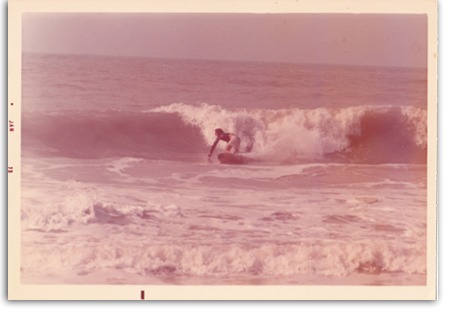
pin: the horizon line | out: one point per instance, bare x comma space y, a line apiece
224, 60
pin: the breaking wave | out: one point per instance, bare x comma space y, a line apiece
363, 134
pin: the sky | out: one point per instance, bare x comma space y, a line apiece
349, 39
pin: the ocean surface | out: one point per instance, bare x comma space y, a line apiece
117, 187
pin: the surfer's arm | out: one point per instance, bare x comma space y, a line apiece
213, 146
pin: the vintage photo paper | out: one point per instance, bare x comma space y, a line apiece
222, 150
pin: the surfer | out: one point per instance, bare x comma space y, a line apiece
232, 139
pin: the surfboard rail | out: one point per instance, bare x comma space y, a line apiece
233, 159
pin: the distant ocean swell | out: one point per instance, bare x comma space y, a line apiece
363, 134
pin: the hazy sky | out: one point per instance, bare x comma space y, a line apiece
359, 39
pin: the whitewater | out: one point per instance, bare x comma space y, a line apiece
117, 187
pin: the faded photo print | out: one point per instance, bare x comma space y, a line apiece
223, 149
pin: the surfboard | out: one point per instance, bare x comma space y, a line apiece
233, 159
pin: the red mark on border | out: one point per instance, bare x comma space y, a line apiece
142, 295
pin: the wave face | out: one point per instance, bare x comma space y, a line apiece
109, 134
365, 134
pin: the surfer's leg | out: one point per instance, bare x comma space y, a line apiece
233, 145
236, 142
228, 148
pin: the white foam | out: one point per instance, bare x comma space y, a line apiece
418, 117
117, 166
54, 212
328, 259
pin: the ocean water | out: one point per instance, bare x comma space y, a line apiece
117, 187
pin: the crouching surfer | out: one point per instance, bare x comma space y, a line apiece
233, 142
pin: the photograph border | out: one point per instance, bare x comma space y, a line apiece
18, 291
